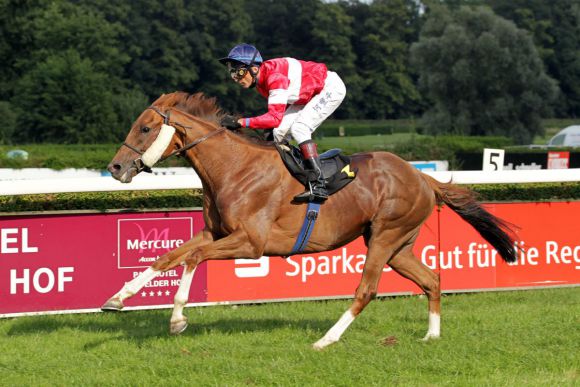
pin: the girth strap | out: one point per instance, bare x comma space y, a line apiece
307, 227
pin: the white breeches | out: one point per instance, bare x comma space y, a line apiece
300, 121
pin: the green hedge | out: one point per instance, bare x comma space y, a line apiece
409, 146
528, 192
446, 147
58, 156
176, 199
102, 201
350, 128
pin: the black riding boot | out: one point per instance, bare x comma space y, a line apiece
317, 191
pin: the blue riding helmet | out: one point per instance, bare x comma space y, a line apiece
243, 54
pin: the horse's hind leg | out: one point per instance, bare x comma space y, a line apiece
377, 256
406, 264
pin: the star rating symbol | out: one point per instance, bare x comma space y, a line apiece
159, 293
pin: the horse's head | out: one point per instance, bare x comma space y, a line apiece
155, 135
151, 137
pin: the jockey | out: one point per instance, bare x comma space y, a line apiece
301, 95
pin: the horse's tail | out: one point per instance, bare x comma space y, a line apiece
493, 229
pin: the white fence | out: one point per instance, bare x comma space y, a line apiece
192, 181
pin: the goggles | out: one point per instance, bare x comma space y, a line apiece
237, 73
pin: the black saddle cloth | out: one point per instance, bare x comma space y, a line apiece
335, 167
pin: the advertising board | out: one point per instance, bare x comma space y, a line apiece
558, 160
548, 249
65, 263
75, 262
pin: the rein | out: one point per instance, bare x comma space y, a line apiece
138, 163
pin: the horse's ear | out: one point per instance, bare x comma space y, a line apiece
159, 99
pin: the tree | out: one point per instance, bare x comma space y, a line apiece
15, 40
482, 75
66, 85
555, 26
64, 99
9, 118
216, 28
331, 43
384, 32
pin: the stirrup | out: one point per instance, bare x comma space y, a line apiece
307, 197
311, 196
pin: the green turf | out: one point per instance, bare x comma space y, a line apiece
523, 338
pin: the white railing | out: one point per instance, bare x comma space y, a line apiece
505, 177
192, 181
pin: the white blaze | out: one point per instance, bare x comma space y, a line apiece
155, 151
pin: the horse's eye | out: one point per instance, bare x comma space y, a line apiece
145, 129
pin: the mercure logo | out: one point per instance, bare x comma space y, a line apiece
154, 240
142, 241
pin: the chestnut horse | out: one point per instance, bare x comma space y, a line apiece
249, 213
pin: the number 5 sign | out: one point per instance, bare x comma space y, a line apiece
493, 159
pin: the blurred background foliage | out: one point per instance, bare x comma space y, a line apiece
80, 71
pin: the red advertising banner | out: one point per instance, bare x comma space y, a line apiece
59, 263
76, 262
547, 232
558, 160
547, 236
330, 274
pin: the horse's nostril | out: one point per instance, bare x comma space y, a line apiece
114, 168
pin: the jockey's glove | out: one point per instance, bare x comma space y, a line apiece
230, 122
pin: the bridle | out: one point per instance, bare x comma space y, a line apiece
138, 163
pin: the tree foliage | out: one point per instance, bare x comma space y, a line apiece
81, 70
482, 74
384, 32
555, 26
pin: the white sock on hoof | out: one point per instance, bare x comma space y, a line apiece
137, 283
182, 295
334, 333
434, 331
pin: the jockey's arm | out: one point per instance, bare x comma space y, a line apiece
277, 103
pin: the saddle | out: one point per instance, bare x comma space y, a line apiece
336, 167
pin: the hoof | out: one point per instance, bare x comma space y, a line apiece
177, 327
114, 304
323, 343
429, 337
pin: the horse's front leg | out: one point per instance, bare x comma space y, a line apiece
235, 245
178, 322
166, 262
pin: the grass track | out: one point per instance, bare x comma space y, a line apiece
518, 338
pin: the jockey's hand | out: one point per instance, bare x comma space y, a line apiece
230, 122
269, 134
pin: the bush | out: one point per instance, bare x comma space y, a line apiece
331, 128
528, 192
57, 156
446, 147
102, 201
182, 199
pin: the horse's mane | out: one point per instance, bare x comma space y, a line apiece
205, 108
196, 104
